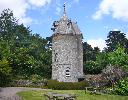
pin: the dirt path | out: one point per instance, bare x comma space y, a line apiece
9, 93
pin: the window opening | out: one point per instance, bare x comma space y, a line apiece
67, 72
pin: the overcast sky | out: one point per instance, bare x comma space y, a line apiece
95, 18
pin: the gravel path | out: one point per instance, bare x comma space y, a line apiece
9, 93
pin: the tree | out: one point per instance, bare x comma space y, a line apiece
4, 50
7, 25
26, 53
102, 60
115, 39
91, 67
5, 70
89, 58
118, 58
89, 53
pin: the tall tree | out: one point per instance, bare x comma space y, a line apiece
89, 53
89, 58
115, 39
25, 52
7, 24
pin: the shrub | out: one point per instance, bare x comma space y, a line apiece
4, 73
113, 73
52, 84
91, 67
121, 87
118, 58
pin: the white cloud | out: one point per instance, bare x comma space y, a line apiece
97, 43
116, 8
20, 8
26, 20
39, 3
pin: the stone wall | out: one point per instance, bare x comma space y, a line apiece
67, 57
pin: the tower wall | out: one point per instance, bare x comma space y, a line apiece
67, 57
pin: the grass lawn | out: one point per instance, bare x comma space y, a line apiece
38, 95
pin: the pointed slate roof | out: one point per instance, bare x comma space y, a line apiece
65, 25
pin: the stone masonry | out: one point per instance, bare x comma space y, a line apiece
67, 51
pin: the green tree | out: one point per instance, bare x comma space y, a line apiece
5, 71
42, 53
89, 53
89, 58
102, 60
7, 25
26, 53
4, 50
91, 67
114, 39
118, 58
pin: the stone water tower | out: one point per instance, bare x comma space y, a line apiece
67, 50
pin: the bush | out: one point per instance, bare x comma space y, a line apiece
121, 88
118, 58
5, 70
91, 67
5, 80
52, 84
113, 73
4, 67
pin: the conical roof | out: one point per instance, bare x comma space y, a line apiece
65, 25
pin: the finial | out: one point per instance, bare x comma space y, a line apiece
64, 8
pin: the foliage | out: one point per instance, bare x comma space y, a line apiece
95, 67
37, 81
4, 73
4, 50
115, 54
7, 25
4, 67
118, 58
102, 60
114, 39
121, 87
29, 54
26, 53
52, 84
116, 65
89, 58
91, 67
89, 53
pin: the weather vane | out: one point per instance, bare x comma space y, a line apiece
64, 8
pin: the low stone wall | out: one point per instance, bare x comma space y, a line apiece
28, 83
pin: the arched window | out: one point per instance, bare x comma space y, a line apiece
67, 72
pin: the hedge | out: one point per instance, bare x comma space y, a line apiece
53, 84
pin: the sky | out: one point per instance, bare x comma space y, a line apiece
95, 18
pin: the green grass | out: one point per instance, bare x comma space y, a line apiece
38, 95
